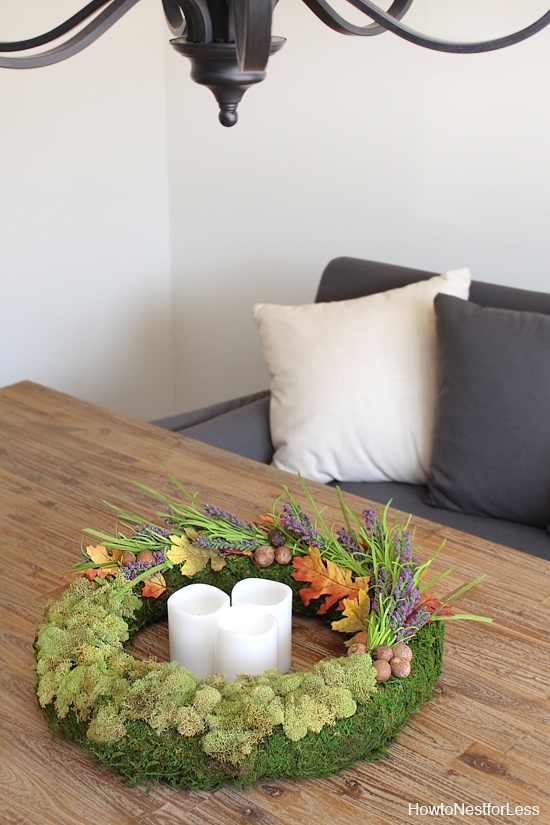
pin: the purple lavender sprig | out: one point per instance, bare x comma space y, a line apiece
230, 518
396, 612
349, 544
216, 527
296, 521
412, 625
397, 601
209, 542
150, 532
304, 531
372, 522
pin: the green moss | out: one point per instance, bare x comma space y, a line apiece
230, 746
263, 693
189, 722
206, 699
156, 697
151, 721
50, 680
355, 673
107, 725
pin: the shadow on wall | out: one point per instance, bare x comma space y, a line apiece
217, 347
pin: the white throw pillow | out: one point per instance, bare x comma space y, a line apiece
354, 383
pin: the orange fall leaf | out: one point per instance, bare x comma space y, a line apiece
154, 586
325, 578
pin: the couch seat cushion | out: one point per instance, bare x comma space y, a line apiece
409, 498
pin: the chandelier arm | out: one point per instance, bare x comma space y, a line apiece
335, 21
75, 44
199, 21
252, 20
58, 31
174, 17
190, 17
437, 44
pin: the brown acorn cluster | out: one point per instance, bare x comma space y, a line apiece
392, 661
145, 557
275, 551
388, 661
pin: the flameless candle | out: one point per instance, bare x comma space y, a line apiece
275, 598
247, 641
193, 614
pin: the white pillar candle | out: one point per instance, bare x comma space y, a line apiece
275, 598
247, 641
193, 614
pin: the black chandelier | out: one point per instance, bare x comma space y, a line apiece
229, 41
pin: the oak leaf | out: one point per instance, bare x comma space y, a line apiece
356, 612
154, 586
325, 579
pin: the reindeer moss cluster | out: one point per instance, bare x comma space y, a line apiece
151, 721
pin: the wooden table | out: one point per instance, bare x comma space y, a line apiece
484, 740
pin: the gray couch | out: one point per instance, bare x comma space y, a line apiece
242, 425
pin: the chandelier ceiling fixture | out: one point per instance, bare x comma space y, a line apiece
229, 41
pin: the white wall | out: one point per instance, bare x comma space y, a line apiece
85, 289
367, 147
370, 147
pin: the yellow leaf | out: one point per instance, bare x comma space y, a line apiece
179, 550
100, 555
193, 559
356, 612
216, 563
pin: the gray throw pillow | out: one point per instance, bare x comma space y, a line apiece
491, 451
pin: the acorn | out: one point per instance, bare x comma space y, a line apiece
403, 651
357, 647
263, 556
145, 557
400, 668
361, 637
276, 537
383, 653
127, 558
283, 555
383, 670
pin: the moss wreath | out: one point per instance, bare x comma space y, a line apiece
151, 721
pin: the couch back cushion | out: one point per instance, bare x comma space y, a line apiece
346, 278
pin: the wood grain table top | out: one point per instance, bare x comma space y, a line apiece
483, 741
